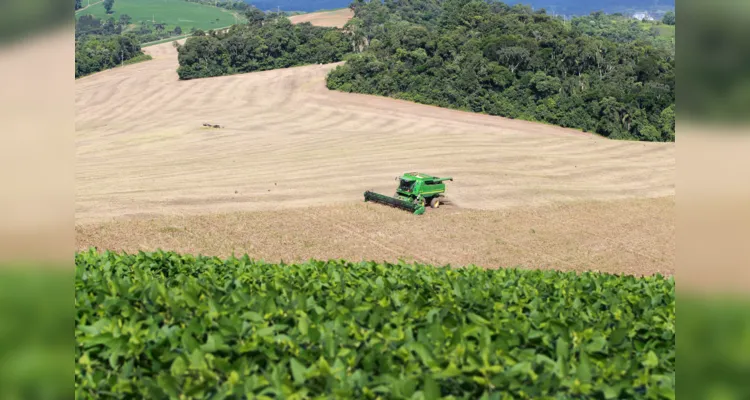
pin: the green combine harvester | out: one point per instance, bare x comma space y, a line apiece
415, 191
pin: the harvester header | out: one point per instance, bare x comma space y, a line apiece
414, 192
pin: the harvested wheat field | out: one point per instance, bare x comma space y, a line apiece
621, 236
283, 177
337, 18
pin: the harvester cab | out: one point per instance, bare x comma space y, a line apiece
414, 192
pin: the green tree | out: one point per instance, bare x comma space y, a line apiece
544, 85
255, 17
88, 25
667, 122
669, 18
358, 37
513, 57
650, 133
177, 30
125, 20
110, 28
108, 4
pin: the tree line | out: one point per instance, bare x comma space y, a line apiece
105, 43
236, 5
101, 45
600, 73
267, 41
97, 53
144, 32
511, 61
620, 28
108, 5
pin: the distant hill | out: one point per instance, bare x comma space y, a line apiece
585, 7
562, 7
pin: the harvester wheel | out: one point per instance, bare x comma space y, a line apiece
435, 202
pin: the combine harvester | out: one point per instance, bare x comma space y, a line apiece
415, 190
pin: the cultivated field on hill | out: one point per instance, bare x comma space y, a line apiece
284, 176
337, 18
172, 13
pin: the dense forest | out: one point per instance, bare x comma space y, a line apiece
489, 57
558, 7
144, 32
267, 41
620, 28
97, 53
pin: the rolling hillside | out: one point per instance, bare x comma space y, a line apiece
284, 176
172, 13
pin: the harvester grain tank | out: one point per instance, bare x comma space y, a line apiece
414, 192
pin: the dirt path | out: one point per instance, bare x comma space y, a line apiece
89, 5
289, 143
